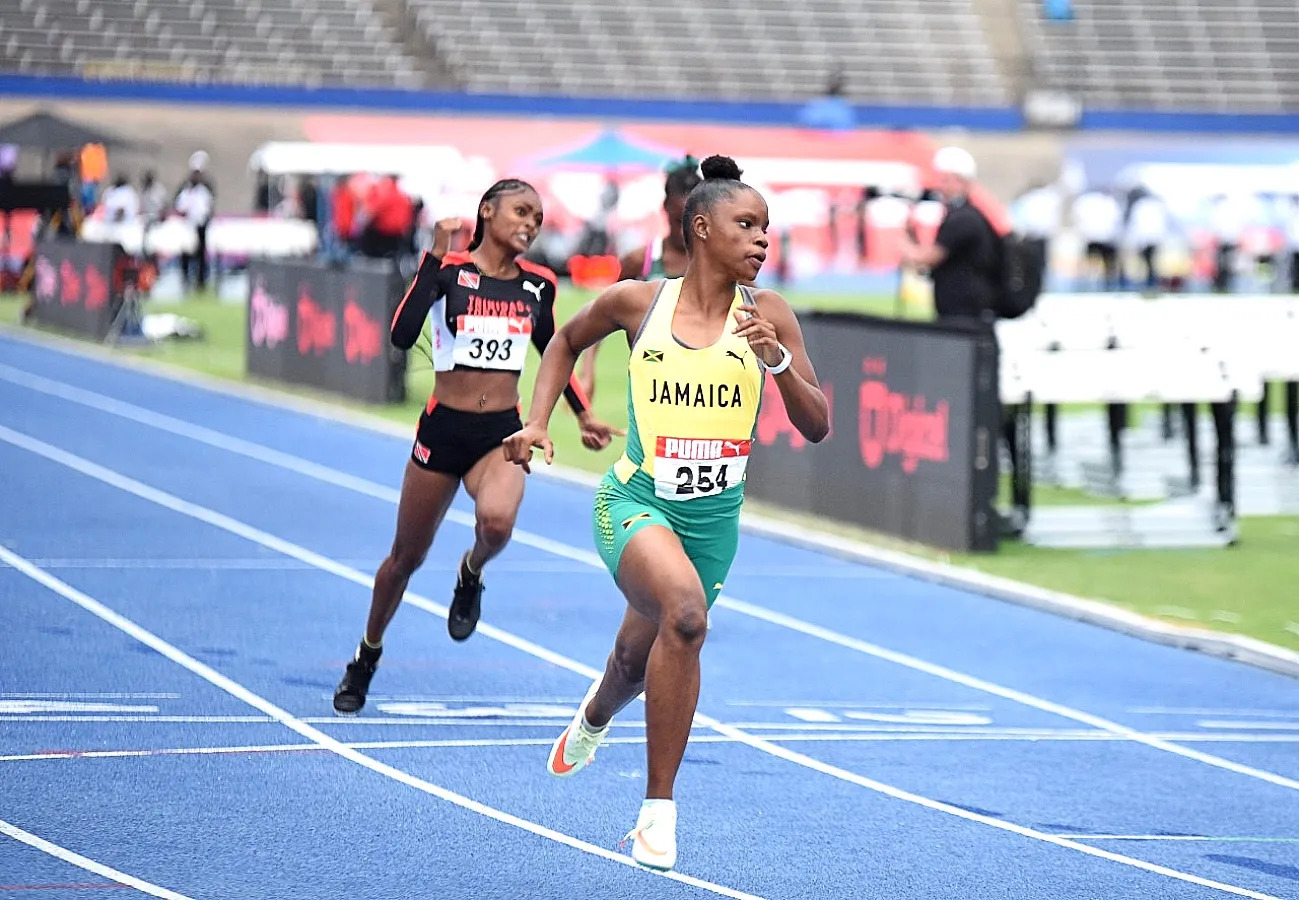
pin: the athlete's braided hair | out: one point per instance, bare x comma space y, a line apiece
504, 186
721, 181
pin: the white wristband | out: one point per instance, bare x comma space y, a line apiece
785, 359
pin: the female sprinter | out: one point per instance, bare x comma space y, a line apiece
664, 258
667, 513
486, 303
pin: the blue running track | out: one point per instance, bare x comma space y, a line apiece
184, 573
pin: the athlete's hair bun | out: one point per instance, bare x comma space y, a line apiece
722, 168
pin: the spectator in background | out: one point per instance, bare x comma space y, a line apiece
596, 239
1098, 218
964, 262
342, 202
8, 165
1228, 220
1292, 242
389, 214
1149, 227
1037, 215
861, 218
153, 200
309, 200
94, 170
963, 259
66, 222
121, 203
417, 223
262, 192
196, 202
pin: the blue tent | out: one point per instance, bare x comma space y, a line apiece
607, 150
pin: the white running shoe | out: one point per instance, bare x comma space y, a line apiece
576, 746
654, 839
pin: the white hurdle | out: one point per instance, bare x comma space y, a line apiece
1123, 348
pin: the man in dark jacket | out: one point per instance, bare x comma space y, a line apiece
962, 261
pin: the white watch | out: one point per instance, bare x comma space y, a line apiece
785, 359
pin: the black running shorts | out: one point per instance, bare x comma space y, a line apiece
452, 441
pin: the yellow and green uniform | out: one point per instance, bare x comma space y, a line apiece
691, 416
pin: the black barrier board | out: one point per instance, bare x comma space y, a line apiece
912, 450
326, 327
73, 286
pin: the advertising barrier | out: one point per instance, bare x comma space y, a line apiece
74, 286
914, 426
326, 327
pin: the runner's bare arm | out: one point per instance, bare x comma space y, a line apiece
773, 324
613, 310
632, 264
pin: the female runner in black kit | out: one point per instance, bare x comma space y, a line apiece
487, 305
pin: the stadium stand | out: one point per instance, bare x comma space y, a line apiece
729, 49
309, 42
1219, 55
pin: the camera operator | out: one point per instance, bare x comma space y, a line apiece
964, 263
963, 259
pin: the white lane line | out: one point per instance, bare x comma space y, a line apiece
848, 704
242, 529
771, 731
1202, 711
88, 695
1182, 837
85, 862
487, 743
1243, 726
359, 485
1020, 697
318, 737
288, 720
162, 720
276, 564
500, 566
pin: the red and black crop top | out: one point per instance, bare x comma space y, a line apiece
480, 322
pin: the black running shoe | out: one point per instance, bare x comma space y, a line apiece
350, 695
466, 603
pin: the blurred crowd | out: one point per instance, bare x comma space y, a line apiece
1109, 238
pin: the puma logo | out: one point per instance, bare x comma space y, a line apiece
534, 289
737, 356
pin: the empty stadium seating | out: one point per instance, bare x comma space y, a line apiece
1225, 55
929, 51
1163, 54
309, 42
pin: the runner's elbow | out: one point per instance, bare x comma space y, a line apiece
814, 424
401, 340
816, 432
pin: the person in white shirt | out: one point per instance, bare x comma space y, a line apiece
1148, 228
1231, 217
120, 202
195, 202
1098, 219
1036, 215
153, 199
